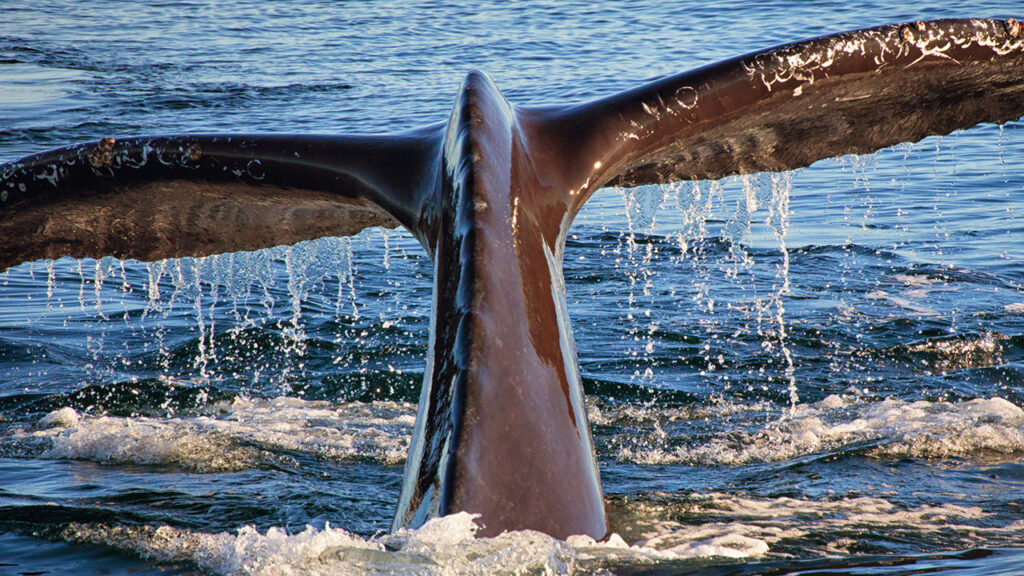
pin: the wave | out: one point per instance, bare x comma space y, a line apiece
229, 436
719, 526
790, 526
245, 432
445, 545
978, 428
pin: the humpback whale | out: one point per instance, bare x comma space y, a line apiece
490, 194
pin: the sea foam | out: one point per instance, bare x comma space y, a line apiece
445, 545
229, 436
247, 432
725, 526
981, 427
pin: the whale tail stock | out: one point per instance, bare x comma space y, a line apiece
502, 428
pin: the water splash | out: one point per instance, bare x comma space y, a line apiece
778, 219
987, 429
698, 218
236, 435
641, 209
242, 317
445, 545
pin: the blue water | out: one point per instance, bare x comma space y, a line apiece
831, 384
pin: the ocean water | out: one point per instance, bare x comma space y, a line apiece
816, 372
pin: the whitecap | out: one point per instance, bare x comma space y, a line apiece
923, 429
229, 436
447, 545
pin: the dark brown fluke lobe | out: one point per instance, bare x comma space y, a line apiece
502, 428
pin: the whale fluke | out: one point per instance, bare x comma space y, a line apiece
785, 108
502, 428
195, 195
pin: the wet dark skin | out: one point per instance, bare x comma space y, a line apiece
502, 428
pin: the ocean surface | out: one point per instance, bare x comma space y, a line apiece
816, 372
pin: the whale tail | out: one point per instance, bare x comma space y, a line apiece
491, 194
780, 109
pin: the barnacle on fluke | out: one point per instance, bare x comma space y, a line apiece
195, 152
103, 154
1013, 27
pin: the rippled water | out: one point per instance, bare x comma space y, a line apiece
814, 372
